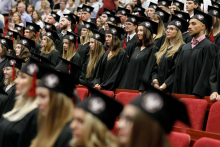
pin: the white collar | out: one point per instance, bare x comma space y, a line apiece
131, 36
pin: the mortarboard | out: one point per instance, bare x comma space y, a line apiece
74, 38
28, 43
182, 15
215, 4
20, 29
42, 59
178, 4
203, 18
11, 33
123, 11
150, 25
89, 25
8, 43
32, 27
152, 5
98, 36
133, 19
114, 30
181, 24
100, 105
79, 9
138, 9
55, 16
49, 26
197, 1
70, 18
163, 14
213, 11
165, 3
52, 35
87, 8
107, 11
114, 19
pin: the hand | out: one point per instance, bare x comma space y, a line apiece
164, 86
213, 96
156, 86
218, 98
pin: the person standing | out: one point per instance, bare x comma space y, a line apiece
24, 16
63, 9
5, 7
111, 4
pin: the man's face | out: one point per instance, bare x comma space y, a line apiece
122, 18
104, 18
85, 15
195, 27
134, 2
190, 5
51, 20
64, 23
20, 8
62, 5
129, 27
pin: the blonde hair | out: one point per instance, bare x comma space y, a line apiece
84, 40
50, 46
94, 57
96, 134
19, 15
160, 30
70, 51
216, 26
23, 105
178, 42
60, 112
7, 81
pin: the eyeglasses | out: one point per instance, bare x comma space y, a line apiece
170, 29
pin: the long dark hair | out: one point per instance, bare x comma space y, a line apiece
148, 38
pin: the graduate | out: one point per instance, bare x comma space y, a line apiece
186, 37
162, 74
160, 17
23, 48
32, 32
86, 34
54, 19
142, 60
194, 63
215, 31
148, 119
113, 63
79, 14
191, 5
5, 44
177, 5
47, 26
100, 25
48, 48
55, 110
93, 120
96, 51
19, 29
151, 9
10, 74
104, 17
20, 124
139, 11
122, 14
14, 36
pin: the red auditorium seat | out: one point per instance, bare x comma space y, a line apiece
82, 92
213, 123
196, 110
125, 97
179, 139
108, 93
207, 142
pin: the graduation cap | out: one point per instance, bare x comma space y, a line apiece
87, 8
165, 3
8, 43
161, 107
100, 105
181, 24
19, 29
35, 69
70, 18
49, 26
182, 15
74, 38
114, 30
123, 11
178, 4
12, 34
163, 14
107, 11
150, 25
2, 91
197, 1
138, 9
28, 43
98, 36
152, 5
203, 18
68, 67
42, 59
89, 25
139, 14
133, 19
14, 62
114, 19
79, 9
32, 27
52, 35
76, 18
55, 16
215, 4
213, 11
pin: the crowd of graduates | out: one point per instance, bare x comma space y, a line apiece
163, 50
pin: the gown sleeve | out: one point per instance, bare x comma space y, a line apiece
55, 57
82, 77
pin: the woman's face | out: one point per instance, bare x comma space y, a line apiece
70, 2
13, 10
35, 15
29, 9
98, 22
126, 124
108, 39
92, 44
44, 41
15, 17
83, 32
21, 83
8, 72
171, 31
155, 19
150, 12
78, 124
140, 32
43, 31
1, 49
43, 99
173, 7
27, 34
129, 8
18, 50
65, 44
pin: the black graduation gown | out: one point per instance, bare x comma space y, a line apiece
7, 101
79, 28
12, 53
108, 73
102, 30
36, 49
139, 61
77, 60
83, 51
216, 38
164, 71
19, 133
186, 37
2, 77
193, 68
64, 137
160, 41
53, 56
131, 45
